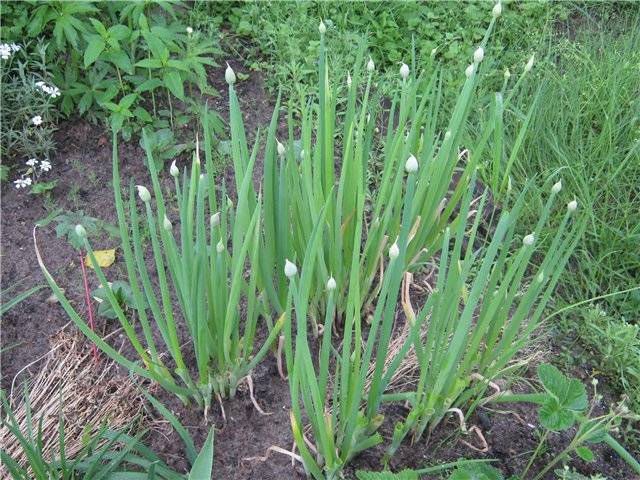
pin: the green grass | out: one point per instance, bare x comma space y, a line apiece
586, 126
283, 41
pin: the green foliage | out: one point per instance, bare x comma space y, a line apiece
111, 58
204, 267
22, 100
7, 305
104, 455
566, 397
406, 218
587, 125
464, 470
123, 294
564, 404
477, 471
286, 37
66, 227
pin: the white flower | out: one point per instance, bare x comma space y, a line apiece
411, 164
478, 55
540, 277
290, 269
404, 71
214, 221
529, 65
348, 80
143, 193
173, 170
31, 162
166, 223
433, 52
507, 74
556, 187
229, 75
45, 165
15, 47
189, 30
322, 28
497, 10
281, 148
220, 247
37, 120
528, 240
22, 182
370, 65
394, 251
469, 70
331, 283
572, 205
5, 51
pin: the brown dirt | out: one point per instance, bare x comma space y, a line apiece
82, 167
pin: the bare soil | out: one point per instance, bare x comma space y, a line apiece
82, 167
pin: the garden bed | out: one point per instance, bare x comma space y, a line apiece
83, 171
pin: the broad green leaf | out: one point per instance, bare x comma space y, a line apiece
585, 453
173, 82
554, 417
570, 393
94, 49
127, 101
149, 63
202, 467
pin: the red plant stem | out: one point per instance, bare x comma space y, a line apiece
87, 299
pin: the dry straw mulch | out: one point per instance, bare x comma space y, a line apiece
89, 393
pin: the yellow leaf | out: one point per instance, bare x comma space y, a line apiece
105, 258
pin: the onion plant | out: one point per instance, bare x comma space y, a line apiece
478, 317
330, 164
482, 310
207, 266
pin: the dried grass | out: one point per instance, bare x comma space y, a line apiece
90, 396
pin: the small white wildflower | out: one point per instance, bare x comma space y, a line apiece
45, 165
322, 28
478, 55
529, 65
556, 187
433, 52
229, 75
21, 182
331, 283
173, 170
528, 240
37, 120
377, 130
166, 223
507, 74
143, 193
214, 221
447, 135
469, 70
189, 30
281, 148
404, 71
220, 247
594, 382
370, 65
540, 277
497, 10
31, 162
80, 231
15, 47
394, 251
290, 269
5, 51
572, 205
411, 165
